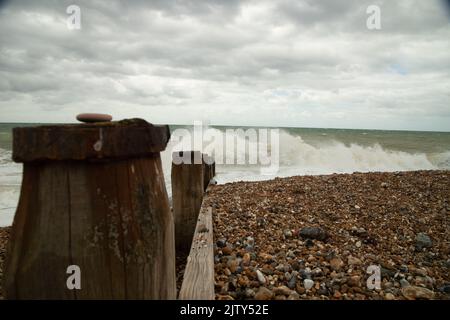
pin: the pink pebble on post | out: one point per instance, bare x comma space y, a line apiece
94, 117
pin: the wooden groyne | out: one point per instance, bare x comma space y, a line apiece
94, 221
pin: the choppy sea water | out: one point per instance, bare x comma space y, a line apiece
302, 151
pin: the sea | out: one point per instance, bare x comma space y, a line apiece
298, 151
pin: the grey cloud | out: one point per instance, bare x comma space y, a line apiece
179, 60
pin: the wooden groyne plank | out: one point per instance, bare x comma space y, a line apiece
198, 282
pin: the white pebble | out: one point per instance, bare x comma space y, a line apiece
261, 277
308, 284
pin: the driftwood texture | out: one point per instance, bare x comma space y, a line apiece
198, 281
111, 218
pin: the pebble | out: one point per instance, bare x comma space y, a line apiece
250, 241
353, 261
445, 288
423, 241
389, 296
266, 257
354, 281
294, 296
280, 267
249, 293
308, 284
305, 273
227, 251
414, 293
336, 264
288, 233
317, 272
292, 282
404, 283
404, 268
222, 242
313, 233
260, 277
249, 248
322, 290
246, 259
282, 290
94, 117
243, 281
233, 264
263, 294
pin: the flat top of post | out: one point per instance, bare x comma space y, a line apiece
103, 140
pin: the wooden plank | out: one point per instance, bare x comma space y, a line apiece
198, 281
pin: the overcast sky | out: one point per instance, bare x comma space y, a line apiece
278, 63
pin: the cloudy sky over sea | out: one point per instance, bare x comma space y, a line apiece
278, 63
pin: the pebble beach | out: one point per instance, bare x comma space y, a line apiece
313, 237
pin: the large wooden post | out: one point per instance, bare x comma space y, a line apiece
187, 195
93, 196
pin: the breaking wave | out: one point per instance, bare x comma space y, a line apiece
336, 157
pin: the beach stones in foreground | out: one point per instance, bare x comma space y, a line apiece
423, 241
413, 293
94, 117
313, 233
290, 259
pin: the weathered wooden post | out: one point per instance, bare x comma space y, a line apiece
187, 195
206, 170
93, 195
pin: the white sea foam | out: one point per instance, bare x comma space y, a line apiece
298, 157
